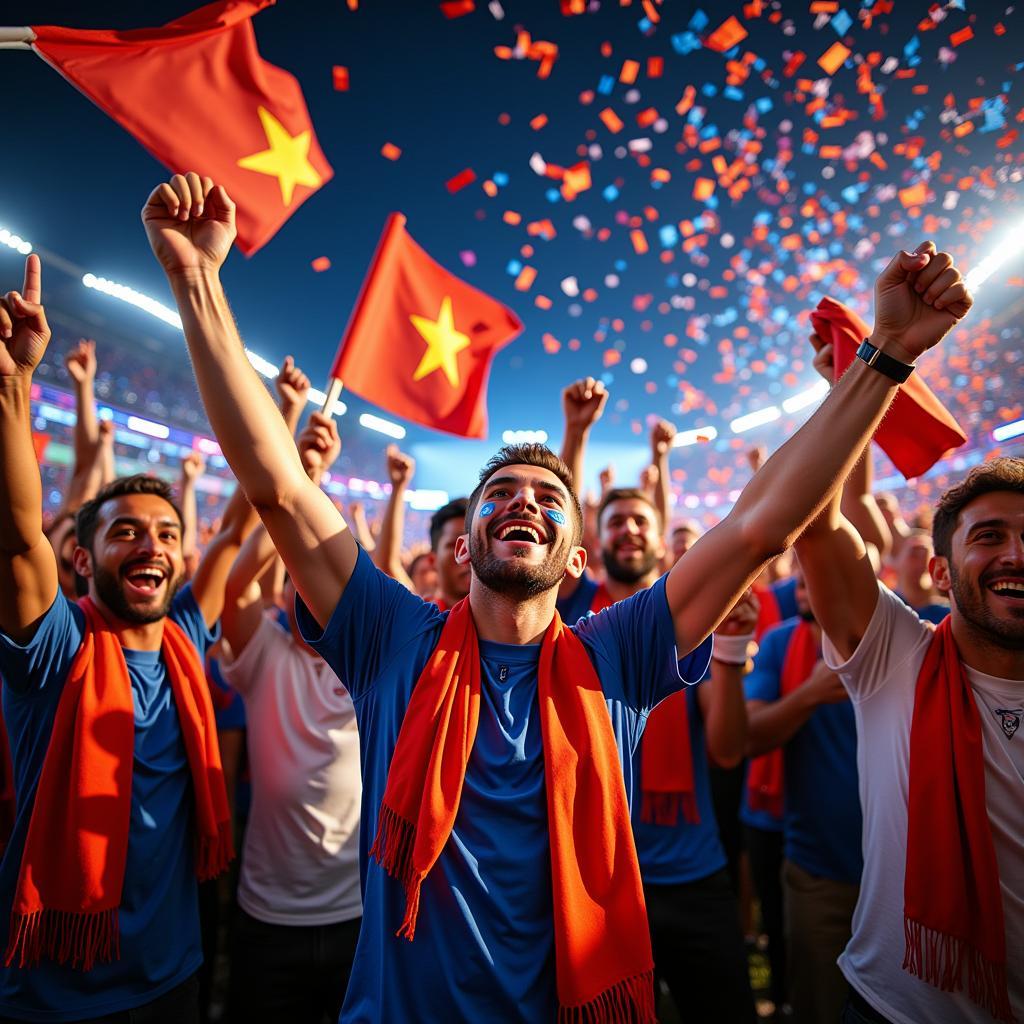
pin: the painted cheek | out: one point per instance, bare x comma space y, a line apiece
555, 516
486, 509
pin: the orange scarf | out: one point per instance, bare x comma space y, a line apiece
72, 867
603, 962
766, 777
952, 904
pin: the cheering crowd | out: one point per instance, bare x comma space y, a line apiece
508, 777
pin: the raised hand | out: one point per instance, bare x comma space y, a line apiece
190, 223
662, 435
607, 479
80, 362
918, 298
192, 467
583, 401
400, 466
24, 332
824, 357
649, 477
742, 620
319, 444
756, 456
292, 385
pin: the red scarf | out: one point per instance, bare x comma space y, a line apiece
769, 613
918, 429
603, 962
72, 867
952, 904
766, 777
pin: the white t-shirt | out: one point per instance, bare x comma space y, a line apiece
881, 678
300, 864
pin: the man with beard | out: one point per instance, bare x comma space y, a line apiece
938, 933
801, 725
494, 740
121, 801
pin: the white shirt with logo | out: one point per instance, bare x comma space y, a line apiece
881, 678
300, 863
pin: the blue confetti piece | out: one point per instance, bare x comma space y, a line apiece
763, 104
709, 89
841, 22
553, 195
732, 92
486, 509
555, 515
851, 193
500, 179
611, 193
685, 42
699, 21
668, 235
605, 86
513, 267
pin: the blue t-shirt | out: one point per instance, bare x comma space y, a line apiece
822, 823
577, 605
158, 915
763, 820
785, 596
484, 946
933, 613
672, 854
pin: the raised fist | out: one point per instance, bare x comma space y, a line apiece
583, 402
743, 617
80, 362
292, 385
192, 466
662, 435
319, 444
24, 332
400, 466
824, 357
190, 223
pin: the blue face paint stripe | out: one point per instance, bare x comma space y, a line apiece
555, 516
486, 509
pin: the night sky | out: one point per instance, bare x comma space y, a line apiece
843, 168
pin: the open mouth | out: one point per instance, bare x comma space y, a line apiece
1012, 589
519, 531
145, 580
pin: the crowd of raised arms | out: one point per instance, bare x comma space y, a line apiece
556, 761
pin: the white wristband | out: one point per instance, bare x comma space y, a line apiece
732, 649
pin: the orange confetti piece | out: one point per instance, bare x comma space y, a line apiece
525, 279
457, 8
962, 36
833, 58
320, 264
726, 36
655, 67
914, 195
610, 120
461, 180
686, 100
647, 117
703, 188
639, 240
576, 180
538, 122
340, 78
630, 69
390, 151
511, 217
542, 302
550, 342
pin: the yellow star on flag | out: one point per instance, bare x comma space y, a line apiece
287, 159
444, 343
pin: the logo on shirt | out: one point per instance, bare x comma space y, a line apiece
1009, 719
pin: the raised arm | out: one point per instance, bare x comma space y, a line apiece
662, 435
191, 225
388, 553
292, 387
192, 468
80, 363
28, 567
583, 402
918, 298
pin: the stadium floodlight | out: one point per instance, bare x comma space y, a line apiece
381, 425
805, 398
1011, 246
688, 437
425, 500
1008, 431
148, 427
754, 419
525, 436
16, 242
133, 298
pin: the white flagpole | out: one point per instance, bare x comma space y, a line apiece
16, 37
333, 394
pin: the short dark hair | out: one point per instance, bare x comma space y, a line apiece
540, 456
88, 517
628, 494
414, 564
455, 509
1000, 474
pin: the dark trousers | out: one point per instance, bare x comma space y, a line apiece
288, 973
179, 1006
859, 1011
698, 950
765, 851
726, 796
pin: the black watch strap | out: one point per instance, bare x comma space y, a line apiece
878, 360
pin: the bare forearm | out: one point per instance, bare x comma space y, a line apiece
859, 505
801, 477
21, 493
725, 721
662, 491
387, 554
253, 436
770, 726
361, 529
189, 517
574, 447
87, 428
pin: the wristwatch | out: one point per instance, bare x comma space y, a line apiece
878, 360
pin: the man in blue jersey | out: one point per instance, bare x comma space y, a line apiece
489, 907
107, 710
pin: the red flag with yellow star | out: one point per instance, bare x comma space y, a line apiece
420, 341
199, 97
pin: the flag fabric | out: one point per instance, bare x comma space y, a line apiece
918, 429
420, 341
196, 94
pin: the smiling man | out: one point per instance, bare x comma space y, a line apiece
938, 932
500, 877
121, 801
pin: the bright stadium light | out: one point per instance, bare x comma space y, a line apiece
425, 500
754, 419
1008, 430
133, 298
148, 427
525, 436
384, 426
15, 242
806, 398
1012, 245
699, 435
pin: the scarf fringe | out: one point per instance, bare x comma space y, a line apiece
392, 849
215, 853
79, 939
939, 959
761, 800
664, 808
630, 1001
